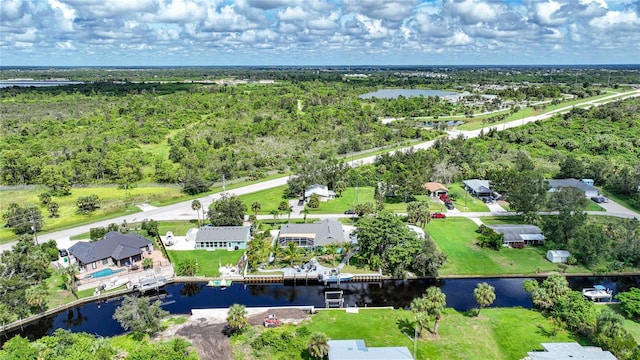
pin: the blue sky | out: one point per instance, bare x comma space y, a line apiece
318, 32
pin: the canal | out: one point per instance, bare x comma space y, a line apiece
180, 298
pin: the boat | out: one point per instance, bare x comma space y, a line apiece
334, 277
598, 293
222, 283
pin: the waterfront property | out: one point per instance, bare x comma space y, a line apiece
115, 249
520, 235
584, 185
558, 256
357, 350
328, 231
570, 350
222, 237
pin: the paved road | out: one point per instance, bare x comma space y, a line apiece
183, 211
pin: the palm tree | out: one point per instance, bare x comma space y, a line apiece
196, 205
237, 317
69, 273
292, 252
275, 213
485, 295
276, 250
36, 295
339, 187
331, 249
419, 309
436, 300
289, 210
305, 212
318, 345
255, 207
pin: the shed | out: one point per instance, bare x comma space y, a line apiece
558, 256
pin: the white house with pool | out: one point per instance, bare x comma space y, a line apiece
116, 249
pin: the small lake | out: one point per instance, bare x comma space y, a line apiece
395, 93
180, 298
35, 83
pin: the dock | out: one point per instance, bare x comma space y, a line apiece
598, 293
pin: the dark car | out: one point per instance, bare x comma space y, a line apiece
350, 212
438, 215
449, 206
63, 252
599, 199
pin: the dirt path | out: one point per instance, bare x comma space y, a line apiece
207, 332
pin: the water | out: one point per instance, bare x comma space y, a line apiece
180, 298
36, 83
103, 273
394, 93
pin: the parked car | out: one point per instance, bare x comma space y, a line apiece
599, 199
438, 215
350, 212
63, 252
449, 205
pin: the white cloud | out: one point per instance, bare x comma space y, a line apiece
546, 13
65, 14
622, 20
459, 38
65, 45
373, 27
227, 20
293, 14
474, 11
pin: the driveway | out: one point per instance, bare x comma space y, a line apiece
615, 209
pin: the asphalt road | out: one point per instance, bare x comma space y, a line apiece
183, 211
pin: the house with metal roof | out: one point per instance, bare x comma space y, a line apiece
357, 350
477, 187
519, 235
323, 192
327, 231
584, 185
223, 237
569, 351
115, 249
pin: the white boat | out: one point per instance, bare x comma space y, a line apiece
335, 277
598, 293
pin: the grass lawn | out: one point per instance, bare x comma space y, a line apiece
502, 220
268, 199
496, 334
457, 236
178, 228
465, 202
632, 326
58, 294
208, 261
347, 201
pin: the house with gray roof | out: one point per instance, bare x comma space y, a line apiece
327, 231
584, 185
477, 187
223, 237
569, 351
115, 249
357, 350
519, 235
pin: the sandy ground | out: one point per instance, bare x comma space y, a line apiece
206, 329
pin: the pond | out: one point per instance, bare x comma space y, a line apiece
395, 93
180, 298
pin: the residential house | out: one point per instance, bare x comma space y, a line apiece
323, 192
223, 237
321, 233
520, 235
478, 188
584, 185
569, 351
357, 350
436, 189
115, 249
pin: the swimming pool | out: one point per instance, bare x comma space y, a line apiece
103, 273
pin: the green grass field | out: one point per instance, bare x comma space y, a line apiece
465, 202
457, 236
268, 199
348, 200
208, 261
495, 334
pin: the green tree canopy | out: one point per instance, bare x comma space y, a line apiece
227, 211
140, 315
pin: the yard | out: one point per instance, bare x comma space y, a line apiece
457, 236
501, 333
208, 261
464, 201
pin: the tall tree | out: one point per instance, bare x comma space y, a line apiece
255, 207
485, 295
436, 301
140, 315
419, 308
196, 206
228, 211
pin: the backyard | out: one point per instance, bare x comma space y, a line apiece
208, 262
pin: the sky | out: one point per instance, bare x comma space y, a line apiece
318, 32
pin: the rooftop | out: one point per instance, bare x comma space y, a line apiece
570, 351
357, 350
